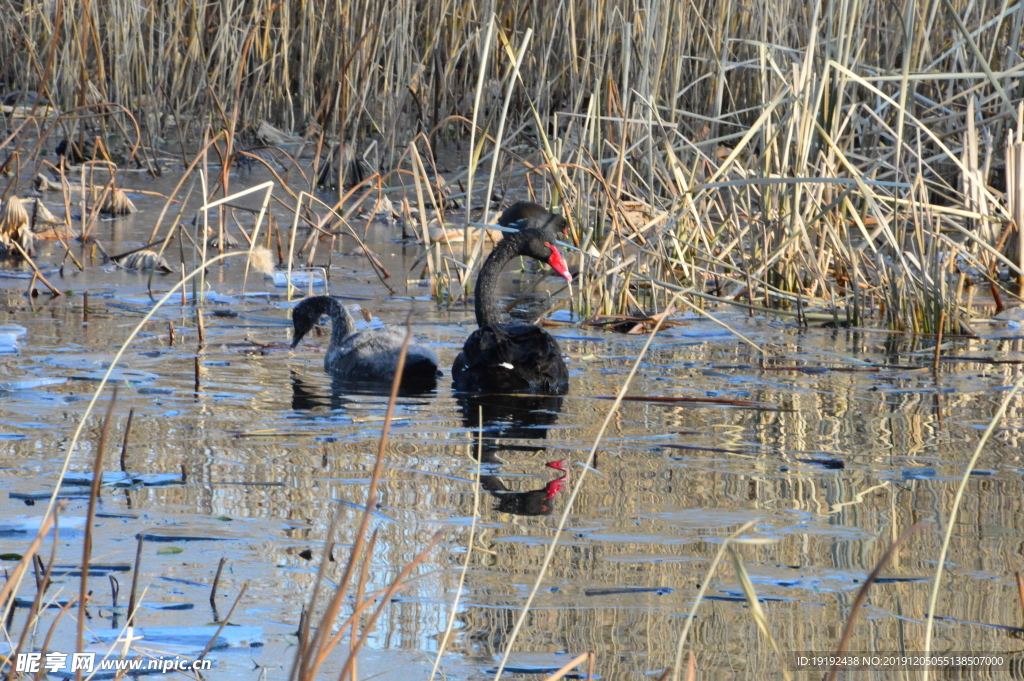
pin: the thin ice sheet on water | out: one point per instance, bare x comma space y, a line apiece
77, 361
537, 663
190, 638
95, 569
299, 278
43, 494
122, 479
7, 273
172, 535
175, 640
116, 376
9, 335
167, 606
147, 301
29, 525
12, 385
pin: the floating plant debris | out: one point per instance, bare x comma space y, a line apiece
169, 550
170, 536
830, 464
116, 202
95, 569
658, 590
15, 233
144, 261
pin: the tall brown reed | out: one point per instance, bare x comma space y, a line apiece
832, 159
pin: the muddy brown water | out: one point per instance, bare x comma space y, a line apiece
860, 441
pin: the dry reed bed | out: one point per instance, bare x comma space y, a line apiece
738, 151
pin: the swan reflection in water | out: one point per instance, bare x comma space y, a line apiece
512, 423
534, 502
312, 396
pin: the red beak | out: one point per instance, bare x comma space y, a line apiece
557, 262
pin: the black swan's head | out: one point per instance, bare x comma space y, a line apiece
526, 215
307, 314
540, 245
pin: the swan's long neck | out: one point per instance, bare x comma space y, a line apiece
488, 311
342, 324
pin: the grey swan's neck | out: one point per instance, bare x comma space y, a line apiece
488, 310
342, 324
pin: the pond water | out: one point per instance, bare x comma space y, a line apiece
856, 439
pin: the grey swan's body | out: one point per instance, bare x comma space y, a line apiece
511, 357
369, 356
527, 215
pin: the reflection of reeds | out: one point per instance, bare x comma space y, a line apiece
316, 642
577, 485
955, 509
12, 585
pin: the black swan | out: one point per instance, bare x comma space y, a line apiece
526, 215
368, 356
514, 357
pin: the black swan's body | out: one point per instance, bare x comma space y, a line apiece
367, 356
526, 215
515, 357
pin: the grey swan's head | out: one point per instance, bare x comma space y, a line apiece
307, 314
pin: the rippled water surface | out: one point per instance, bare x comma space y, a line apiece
853, 439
